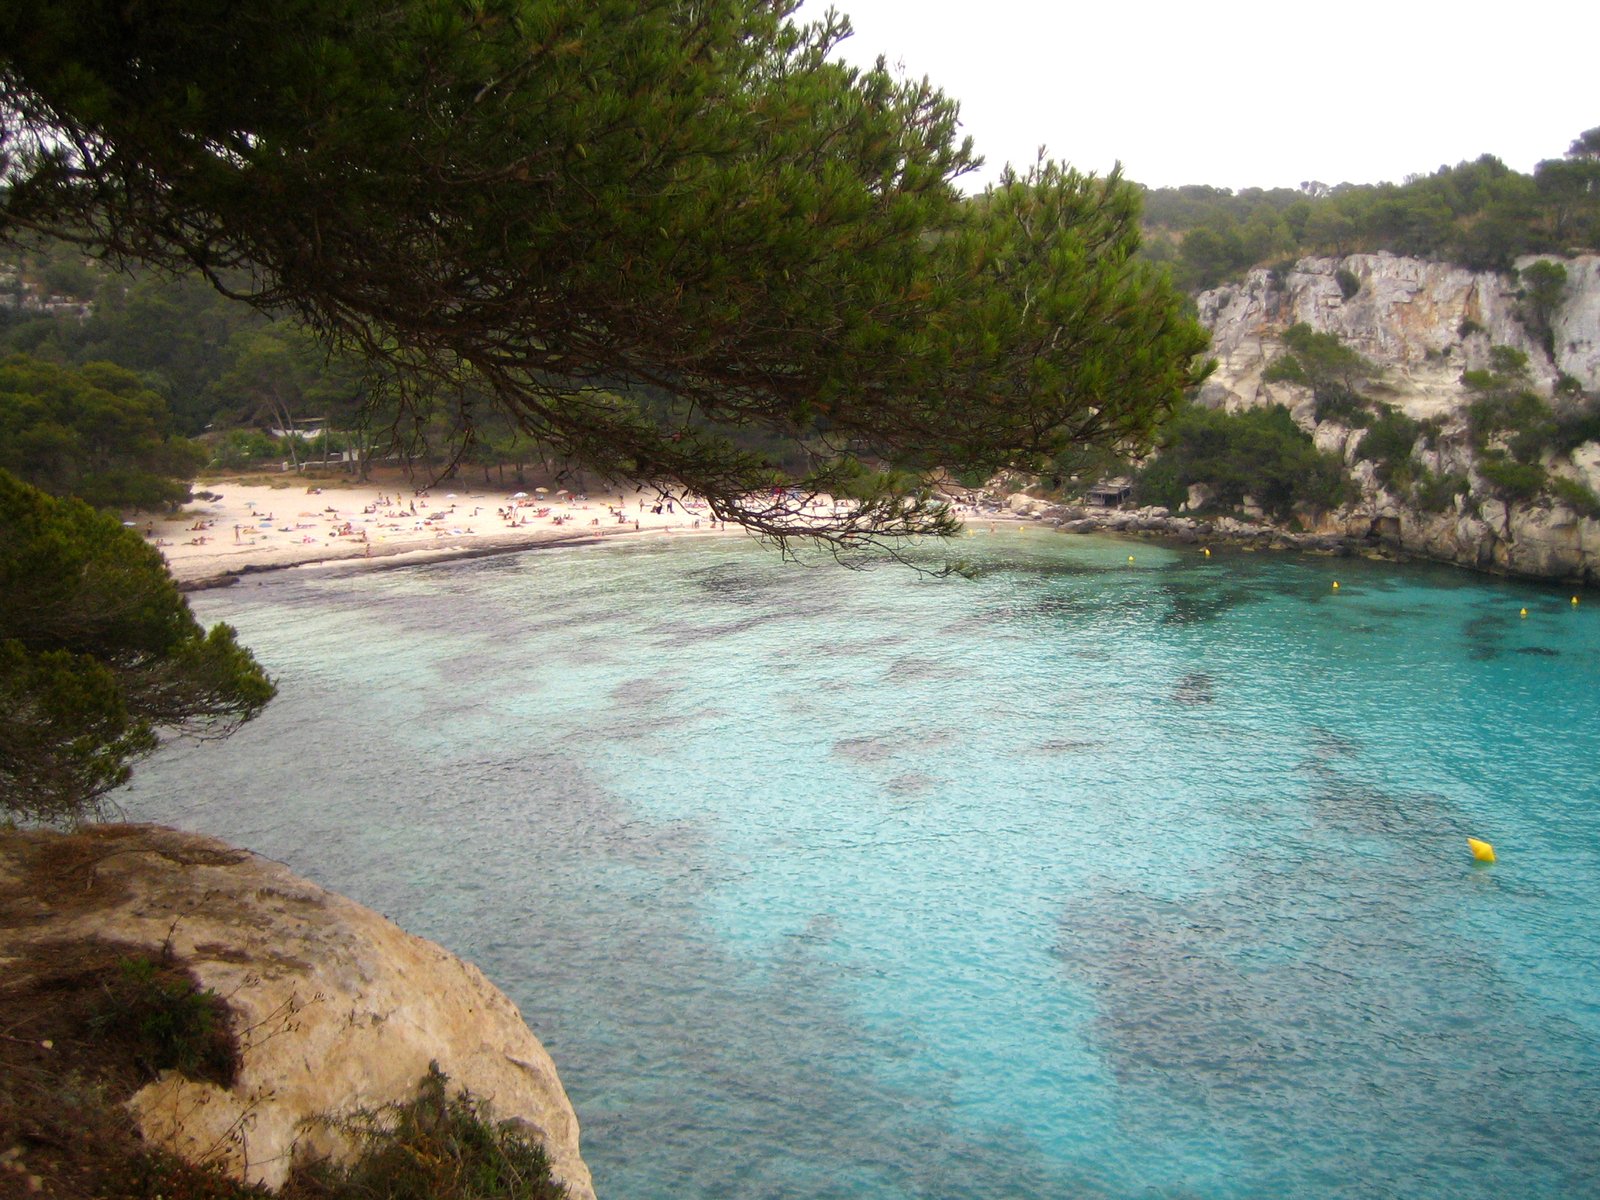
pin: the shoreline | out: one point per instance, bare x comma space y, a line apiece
1360, 535
235, 528
399, 557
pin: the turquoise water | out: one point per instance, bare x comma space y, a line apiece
1084, 878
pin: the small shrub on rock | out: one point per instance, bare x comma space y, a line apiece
435, 1147
171, 1023
1576, 496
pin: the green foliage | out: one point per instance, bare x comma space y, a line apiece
1480, 214
1286, 368
1349, 285
1544, 285
565, 205
98, 650
435, 1147
95, 432
1576, 425
172, 1024
1388, 444
1467, 328
1260, 452
1346, 408
1437, 493
1334, 372
1508, 361
1510, 479
1504, 403
246, 448
1575, 496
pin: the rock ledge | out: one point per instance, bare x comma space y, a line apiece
336, 1008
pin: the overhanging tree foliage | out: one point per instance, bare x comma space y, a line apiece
570, 203
98, 651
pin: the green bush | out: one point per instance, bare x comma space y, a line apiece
1544, 285
171, 1022
1285, 368
239, 448
1327, 364
435, 1147
1575, 427
1512, 480
1349, 285
1436, 493
1576, 496
1388, 444
1467, 328
1260, 452
1345, 407
1504, 406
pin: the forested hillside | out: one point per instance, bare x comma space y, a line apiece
222, 372
1481, 215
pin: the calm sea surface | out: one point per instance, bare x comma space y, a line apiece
1087, 878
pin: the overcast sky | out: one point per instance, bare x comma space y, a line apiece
1242, 93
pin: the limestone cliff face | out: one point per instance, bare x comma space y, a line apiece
336, 1007
1424, 324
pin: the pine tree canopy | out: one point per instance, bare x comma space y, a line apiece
98, 652
643, 227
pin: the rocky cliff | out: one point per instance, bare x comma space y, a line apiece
335, 1008
1425, 324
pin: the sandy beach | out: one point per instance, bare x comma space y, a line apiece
234, 527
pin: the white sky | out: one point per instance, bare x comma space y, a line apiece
1248, 93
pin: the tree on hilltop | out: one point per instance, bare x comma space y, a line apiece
98, 651
571, 204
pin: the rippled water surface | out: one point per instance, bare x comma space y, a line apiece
1087, 878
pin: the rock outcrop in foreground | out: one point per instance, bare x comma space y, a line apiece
336, 1008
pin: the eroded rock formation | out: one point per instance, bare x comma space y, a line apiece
1424, 324
336, 1008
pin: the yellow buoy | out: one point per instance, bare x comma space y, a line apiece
1524, 612
1574, 599
1130, 558
1481, 851
1208, 555
1336, 585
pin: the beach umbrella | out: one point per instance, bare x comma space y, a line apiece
519, 495
541, 491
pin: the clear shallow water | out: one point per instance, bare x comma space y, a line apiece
1088, 878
